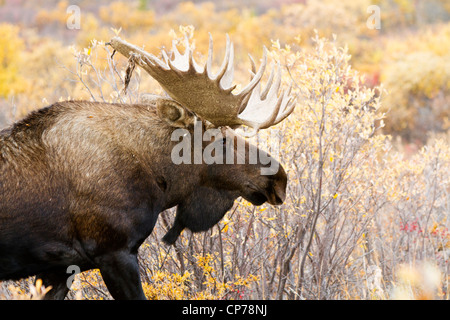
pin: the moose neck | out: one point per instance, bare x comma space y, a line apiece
148, 138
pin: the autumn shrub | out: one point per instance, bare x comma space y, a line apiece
331, 151
418, 96
416, 72
328, 240
127, 16
361, 220
26, 290
11, 47
414, 225
58, 15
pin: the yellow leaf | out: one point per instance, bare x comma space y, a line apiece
38, 284
335, 196
225, 228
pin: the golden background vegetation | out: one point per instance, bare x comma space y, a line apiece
367, 149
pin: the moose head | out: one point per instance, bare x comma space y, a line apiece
196, 95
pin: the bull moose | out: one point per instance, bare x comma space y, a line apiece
82, 183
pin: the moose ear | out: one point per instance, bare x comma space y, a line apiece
200, 211
170, 111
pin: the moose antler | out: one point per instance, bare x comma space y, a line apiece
210, 95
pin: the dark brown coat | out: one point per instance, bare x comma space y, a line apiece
82, 183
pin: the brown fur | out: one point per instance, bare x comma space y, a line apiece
82, 183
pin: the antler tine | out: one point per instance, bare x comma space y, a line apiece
288, 109
165, 56
272, 88
175, 50
257, 78
253, 65
227, 78
208, 64
269, 83
288, 106
194, 67
226, 61
180, 62
259, 102
189, 55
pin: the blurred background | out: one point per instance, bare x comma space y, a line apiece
367, 150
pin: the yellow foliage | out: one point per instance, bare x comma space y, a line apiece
372, 198
127, 16
421, 282
92, 29
11, 46
165, 286
58, 14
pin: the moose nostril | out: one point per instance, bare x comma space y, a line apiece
280, 194
278, 199
277, 195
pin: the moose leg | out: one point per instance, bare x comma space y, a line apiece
58, 281
120, 271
